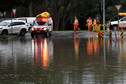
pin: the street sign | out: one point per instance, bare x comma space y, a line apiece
118, 7
14, 11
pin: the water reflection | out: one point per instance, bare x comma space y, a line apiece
76, 44
71, 60
11, 50
93, 46
14, 57
42, 49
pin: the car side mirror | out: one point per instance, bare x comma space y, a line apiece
49, 25
8, 25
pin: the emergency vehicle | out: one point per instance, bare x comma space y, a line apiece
114, 24
43, 25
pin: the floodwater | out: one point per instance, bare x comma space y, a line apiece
63, 60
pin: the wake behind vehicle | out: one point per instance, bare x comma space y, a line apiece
13, 27
43, 25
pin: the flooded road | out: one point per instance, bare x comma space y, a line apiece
71, 58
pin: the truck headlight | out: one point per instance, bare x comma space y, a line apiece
32, 29
45, 29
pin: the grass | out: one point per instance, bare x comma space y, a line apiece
73, 31
6, 36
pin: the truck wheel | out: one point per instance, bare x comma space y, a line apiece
46, 34
115, 27
4, 32
50, 34
32, 35
22, 33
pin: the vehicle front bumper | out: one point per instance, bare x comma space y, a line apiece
38, 32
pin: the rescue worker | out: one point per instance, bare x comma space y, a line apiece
94, 22
76, 24
94, 25
89, 23
97, 20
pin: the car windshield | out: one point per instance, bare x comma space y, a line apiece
4, 23
124, 19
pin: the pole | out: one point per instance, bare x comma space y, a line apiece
103, 14
118, 21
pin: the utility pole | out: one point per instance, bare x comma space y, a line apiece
103, 14
104, 34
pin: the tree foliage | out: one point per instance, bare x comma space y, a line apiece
64, 11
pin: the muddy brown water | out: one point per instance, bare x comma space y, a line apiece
63, 60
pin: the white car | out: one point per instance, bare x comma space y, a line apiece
28, 20
13, 27
122, 23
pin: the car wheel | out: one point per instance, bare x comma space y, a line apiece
22, 33
4, 32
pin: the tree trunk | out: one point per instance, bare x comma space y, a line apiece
57, 7
63, 22
64, 18
30, 10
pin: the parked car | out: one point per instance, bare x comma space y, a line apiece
1, 19
122, 24
13, 27
28, 20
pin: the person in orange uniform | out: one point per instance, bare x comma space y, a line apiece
94, 22
89, 23
76, 24
95, 25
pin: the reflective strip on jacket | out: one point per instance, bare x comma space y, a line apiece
76, 22
89, 21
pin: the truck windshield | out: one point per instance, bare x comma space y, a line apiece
4, 23
39, 23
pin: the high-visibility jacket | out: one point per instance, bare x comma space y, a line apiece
94, 21
89, 21
76, 22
